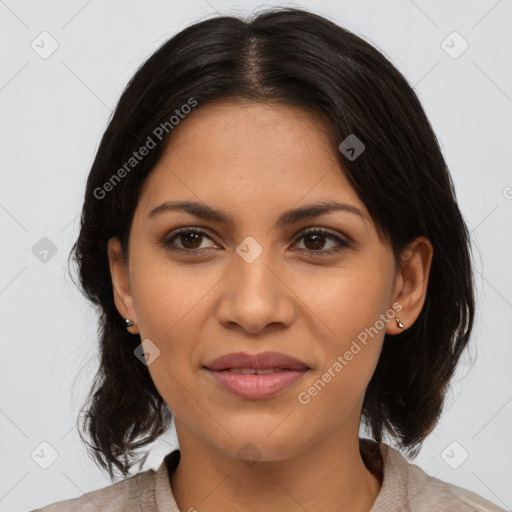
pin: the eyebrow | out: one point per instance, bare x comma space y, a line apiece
285, 219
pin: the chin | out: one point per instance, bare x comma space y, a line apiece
253, 445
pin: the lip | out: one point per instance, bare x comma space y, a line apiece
256, 387
260, 361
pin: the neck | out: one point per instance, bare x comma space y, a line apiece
329, 475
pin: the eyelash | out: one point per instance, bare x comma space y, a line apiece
167, 241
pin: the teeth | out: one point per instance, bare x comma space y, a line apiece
253, 371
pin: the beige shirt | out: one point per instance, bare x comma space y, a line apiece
405, 488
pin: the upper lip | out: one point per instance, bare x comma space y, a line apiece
260, 361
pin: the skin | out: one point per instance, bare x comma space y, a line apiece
256, 161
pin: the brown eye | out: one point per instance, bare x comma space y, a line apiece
189, 238
315, 240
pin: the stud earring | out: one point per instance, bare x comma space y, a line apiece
398, 323
129, 323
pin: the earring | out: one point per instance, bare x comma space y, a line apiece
398, 323
129, 324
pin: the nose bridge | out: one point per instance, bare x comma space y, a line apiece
254, 296
251, 270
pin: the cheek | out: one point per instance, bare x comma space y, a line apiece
350, 331
345, 305
168, 297
170, 302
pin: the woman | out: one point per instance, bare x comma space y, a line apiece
271, 235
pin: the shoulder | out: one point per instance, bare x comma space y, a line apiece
128, 494
415, 490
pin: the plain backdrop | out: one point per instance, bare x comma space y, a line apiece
54, 110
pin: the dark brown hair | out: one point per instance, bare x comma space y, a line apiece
295, 58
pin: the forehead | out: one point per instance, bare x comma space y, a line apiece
249, 156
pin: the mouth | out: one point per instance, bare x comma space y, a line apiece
254, 371
260, 361
256, 377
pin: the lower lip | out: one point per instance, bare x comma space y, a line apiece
256, 387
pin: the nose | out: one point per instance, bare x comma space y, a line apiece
255, 296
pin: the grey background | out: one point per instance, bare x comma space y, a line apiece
53, 112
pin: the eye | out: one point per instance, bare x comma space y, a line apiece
190, 239
316, 240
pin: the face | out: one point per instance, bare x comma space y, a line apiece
255, 284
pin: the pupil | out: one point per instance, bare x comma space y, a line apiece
317, 243
189, 236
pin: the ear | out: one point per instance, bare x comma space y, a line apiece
121, 283
411, 283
